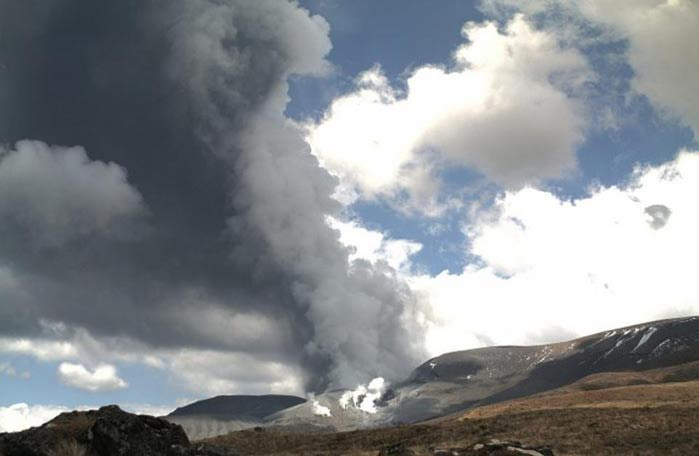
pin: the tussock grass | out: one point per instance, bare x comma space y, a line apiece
68, 447
73, 425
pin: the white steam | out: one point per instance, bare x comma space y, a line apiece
320, 409
363, 397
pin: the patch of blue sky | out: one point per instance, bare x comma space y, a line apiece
396, 34
625, 130
609, 157
147, 385
441, 238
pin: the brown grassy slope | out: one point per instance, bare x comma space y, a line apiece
73, 425
621, 390
681, 373
604, 414
577, 431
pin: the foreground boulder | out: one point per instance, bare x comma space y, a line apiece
117, 433
108, 431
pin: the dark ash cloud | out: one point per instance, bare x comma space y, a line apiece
187, 98
57, 195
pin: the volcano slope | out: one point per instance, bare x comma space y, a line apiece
463, 380
224, 414
654, 412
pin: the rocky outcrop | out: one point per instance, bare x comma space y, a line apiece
491, 448
33, 442
117, 433
108, 431
496, 448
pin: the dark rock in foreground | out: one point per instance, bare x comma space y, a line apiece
117, 433
108, 431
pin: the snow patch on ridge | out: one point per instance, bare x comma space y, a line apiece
645, 338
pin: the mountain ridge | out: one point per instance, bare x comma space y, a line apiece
462, 380
247, 405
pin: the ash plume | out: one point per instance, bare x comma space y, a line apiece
184, 101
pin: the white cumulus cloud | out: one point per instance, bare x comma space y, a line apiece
203, 372
549, 268
211, 372
374, 246
552, 268
503, 109
44, 350
18, 417
103, 378
662, 37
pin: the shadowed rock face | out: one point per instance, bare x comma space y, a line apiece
108, 431
117, 433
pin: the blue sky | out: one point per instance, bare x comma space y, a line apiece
556, 188
365, 33
41, 387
